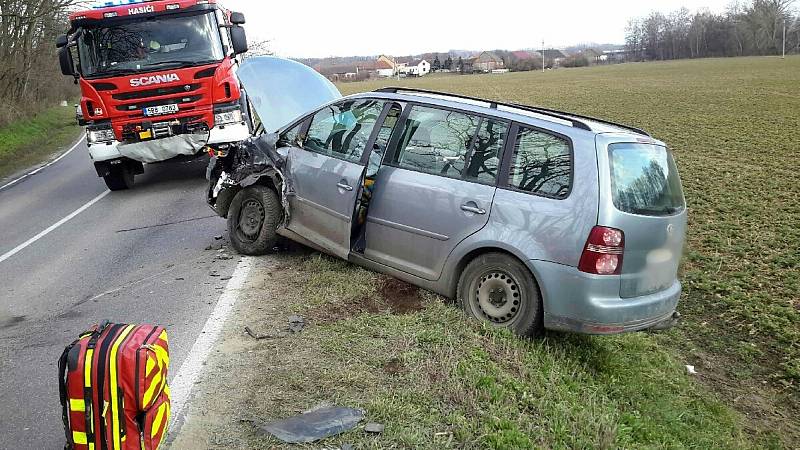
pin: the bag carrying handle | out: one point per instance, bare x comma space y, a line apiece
62, 379
62, 393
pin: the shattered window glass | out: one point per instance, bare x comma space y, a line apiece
289, 137
342, 130
435, 141
487, 151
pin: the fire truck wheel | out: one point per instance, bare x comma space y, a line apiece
253, 220
119, 179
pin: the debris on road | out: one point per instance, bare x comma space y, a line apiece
258, 337
376, 428
218, 237
313, 426
296, 324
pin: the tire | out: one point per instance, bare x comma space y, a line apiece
499, 289
120, 179
262, 209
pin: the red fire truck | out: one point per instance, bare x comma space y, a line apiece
158, 81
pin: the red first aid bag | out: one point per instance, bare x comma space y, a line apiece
113, 388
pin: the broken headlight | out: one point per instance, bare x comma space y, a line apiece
100, 134
232, 115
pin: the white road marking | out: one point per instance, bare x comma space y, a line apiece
44, 233
34, 172
181, 386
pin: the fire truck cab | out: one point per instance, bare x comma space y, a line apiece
158, 81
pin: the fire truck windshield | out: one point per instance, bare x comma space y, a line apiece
149, 45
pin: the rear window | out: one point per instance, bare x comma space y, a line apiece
644, 180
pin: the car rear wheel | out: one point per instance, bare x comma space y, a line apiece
500, 290
119, 178
253, 220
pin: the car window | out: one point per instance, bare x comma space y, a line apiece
644, 180
435, 141
342, 130
382, 140
487, 151
289, 137
541, 164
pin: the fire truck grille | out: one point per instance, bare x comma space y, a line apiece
168, 101
156, 92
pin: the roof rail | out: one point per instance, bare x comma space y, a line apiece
593, 119
574, 119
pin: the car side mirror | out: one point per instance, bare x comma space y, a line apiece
237, 18
65, 60
238, 40
62, 41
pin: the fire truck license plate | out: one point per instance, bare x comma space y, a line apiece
160, 110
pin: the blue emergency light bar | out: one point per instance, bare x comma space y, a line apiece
111, 3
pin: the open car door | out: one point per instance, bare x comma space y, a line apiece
327, 173
325, 167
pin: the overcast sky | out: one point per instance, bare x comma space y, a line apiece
298, 28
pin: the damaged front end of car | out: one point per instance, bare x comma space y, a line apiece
279, 91
251, 162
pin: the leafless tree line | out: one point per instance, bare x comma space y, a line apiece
30, 77
745, 28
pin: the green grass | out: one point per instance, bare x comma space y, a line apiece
31, 140
439, 380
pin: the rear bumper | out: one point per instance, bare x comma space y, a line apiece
579, 302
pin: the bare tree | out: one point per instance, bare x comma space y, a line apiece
29, 72
754, 28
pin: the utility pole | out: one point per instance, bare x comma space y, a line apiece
783, 55
542, 55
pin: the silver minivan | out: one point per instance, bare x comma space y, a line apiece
530, 218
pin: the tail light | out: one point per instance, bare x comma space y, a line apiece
603, 252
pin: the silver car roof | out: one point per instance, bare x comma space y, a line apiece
559, 122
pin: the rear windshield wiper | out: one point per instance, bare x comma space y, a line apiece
667, 210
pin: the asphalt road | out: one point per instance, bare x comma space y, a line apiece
138, 256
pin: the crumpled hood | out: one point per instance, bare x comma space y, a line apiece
282, 90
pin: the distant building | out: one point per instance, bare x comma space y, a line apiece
554, 56
522, 55
617, 56
487, 62
592, 55
415, 68
384, 68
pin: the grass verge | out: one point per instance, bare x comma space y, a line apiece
30, 141
436, 379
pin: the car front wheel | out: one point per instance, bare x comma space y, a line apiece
253, 220
500, 290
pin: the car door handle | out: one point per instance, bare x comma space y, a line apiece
344, 186
473, 209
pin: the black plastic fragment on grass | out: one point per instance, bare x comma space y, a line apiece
315, 425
